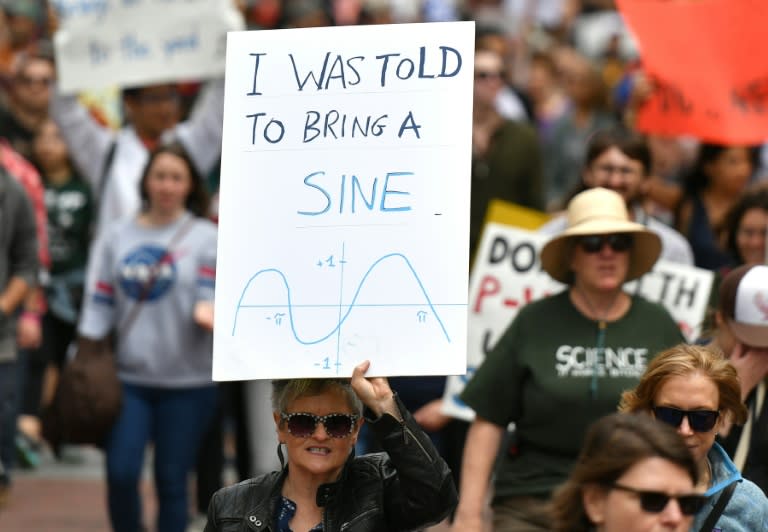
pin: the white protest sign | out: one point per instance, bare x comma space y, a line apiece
103, 43
344, 202
507, 275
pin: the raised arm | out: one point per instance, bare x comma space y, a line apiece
88, 141
419, 488
201, 133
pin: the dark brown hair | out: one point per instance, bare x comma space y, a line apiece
756, 197
630, 144
197, 200
612, 445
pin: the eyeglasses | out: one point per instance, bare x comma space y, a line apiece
29, 81
699, 420
484, 75
748, 232
158, 97
618, 242
609, 169
655, 501
303, 424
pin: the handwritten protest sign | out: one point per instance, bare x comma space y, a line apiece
344, 204
103, 43
711, 81
508, 275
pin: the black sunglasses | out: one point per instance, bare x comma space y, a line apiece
655, 501
486, 74
303, 424
594, 243
699, 420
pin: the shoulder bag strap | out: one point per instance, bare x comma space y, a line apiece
720, 505
102, 184
147, 288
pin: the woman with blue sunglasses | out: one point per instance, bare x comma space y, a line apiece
696, 390
323, 487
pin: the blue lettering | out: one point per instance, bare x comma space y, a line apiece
315, 118
132, 48
445, 50
422, 62
340, 75
356, 185
254, 92
321, 190
181, 43
386, 191
311, 75
354, 70
409, 123
384, 65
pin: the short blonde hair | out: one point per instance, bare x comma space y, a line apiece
682, 360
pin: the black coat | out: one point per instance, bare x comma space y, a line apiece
408, 487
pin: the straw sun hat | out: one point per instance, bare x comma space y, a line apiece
599, 211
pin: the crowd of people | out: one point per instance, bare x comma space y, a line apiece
93, 210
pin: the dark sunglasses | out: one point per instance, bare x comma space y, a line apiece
29, 81
699, 420
655, 501
485, 74
594, 243
303, 425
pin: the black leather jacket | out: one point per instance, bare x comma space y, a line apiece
406, 488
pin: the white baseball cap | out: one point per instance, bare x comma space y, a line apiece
744, 303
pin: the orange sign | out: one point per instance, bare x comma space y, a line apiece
709, 64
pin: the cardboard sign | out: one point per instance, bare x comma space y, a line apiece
344, 202
507, 275
706, 62
102, 43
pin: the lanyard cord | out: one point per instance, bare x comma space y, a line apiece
602, 324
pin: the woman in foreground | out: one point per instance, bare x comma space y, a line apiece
323, 486
633, 475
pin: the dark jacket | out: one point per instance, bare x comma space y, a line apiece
406, 488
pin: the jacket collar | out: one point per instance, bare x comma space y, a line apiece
328, 492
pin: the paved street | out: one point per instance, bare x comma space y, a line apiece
64, 496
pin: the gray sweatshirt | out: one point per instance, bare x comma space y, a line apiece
163, 347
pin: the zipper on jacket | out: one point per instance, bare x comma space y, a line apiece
406, 432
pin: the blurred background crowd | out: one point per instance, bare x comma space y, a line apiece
550, 75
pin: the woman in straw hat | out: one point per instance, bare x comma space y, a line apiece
562, 363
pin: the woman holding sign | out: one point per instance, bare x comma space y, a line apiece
324, 486
562, 363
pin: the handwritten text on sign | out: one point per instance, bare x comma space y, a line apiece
717, 92
344, 201
508, 275
103, 43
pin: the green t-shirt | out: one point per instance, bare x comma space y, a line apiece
539, 375
70, 213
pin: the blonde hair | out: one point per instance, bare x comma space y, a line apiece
683, 360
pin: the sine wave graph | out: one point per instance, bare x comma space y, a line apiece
392, 262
